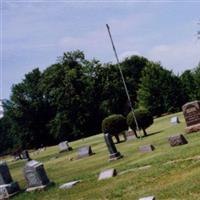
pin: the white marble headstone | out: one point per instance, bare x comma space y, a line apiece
148, 198
107, 174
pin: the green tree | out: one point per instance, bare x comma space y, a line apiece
144, 119
160, 90
30, 112
189, 85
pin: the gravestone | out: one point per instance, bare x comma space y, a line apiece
130, 135
191, 112
148, 198
8, 187
69, 185
25, 155
174, 120
114, 154
146, 148
35, 176
177, 140
107, 174
85, 152
64, 146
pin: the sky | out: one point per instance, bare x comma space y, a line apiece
35, 33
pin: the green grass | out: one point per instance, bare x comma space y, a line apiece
173, 172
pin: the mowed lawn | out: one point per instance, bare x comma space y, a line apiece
167, 172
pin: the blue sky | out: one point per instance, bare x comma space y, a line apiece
35, 33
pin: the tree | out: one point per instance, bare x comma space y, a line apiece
160, 90
114, 125
189, 85
144, 119
30, 112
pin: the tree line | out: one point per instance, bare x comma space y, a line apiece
69, 99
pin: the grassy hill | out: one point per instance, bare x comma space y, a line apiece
168, 172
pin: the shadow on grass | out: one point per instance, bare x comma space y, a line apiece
154, 133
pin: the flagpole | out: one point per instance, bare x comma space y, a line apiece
123, 80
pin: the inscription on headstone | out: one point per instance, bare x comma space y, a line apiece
107, 174
191, 112
35, 175
146, 148
85, 151
177, 140
7, 186
64, 146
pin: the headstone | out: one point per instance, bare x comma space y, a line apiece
177, 140
35, 176
191, 112
114, 154
25, 155
107, 174
174, 120
64, 146
85, 151
146, 148
8, 187
69, 185
130, 135
148, 198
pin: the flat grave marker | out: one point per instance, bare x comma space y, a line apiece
177, 140
84, 152
107, 174
64, 146
146, 148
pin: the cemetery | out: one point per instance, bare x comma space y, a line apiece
153, 167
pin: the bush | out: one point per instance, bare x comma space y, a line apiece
144, 119
114, 124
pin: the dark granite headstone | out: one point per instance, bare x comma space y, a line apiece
114, 154
146, 148
7, 186
64, 146
25, 155
35, 175
177, 140
191, 112
84, 152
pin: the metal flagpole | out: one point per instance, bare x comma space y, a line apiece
122, 76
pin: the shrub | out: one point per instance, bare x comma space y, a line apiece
144, 119
114, 124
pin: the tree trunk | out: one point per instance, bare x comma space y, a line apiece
144, 131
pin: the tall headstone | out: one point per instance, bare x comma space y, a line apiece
84, 152
114, 154
35, 176
8, 187
64, 146
191, 112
